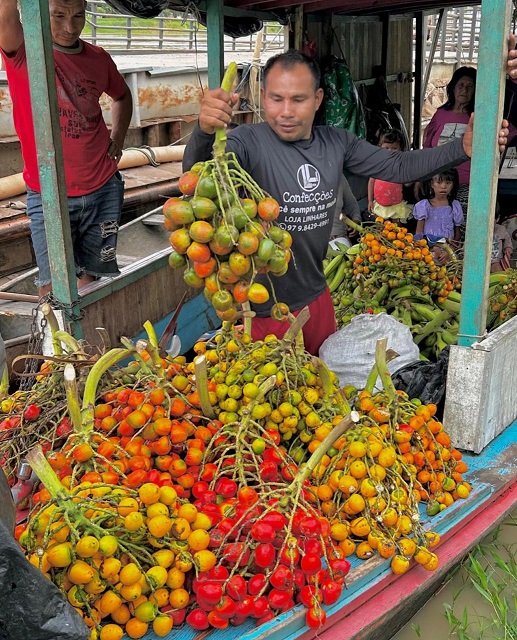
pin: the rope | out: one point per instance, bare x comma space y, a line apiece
148, 153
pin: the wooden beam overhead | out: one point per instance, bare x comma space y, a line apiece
273, 5
346, 6
371, 6
246, 4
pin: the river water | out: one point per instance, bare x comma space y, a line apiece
430, 623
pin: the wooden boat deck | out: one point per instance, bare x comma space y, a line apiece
142, 185
377, 603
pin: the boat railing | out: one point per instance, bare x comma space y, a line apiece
172, 30
458, 37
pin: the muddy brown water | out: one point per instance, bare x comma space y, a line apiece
430, 622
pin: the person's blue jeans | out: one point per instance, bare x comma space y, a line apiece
94, 222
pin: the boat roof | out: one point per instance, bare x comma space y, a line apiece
280, 8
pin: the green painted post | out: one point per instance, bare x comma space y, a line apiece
495, 27
215, 42
40, 62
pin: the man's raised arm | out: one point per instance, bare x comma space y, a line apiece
11, 31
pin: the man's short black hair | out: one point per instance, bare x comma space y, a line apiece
291, 59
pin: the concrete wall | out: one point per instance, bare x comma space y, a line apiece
477, 412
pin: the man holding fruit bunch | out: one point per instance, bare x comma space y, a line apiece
301, 166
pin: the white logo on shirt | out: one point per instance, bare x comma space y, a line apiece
308, 177
450, 131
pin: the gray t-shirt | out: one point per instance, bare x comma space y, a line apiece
304, 177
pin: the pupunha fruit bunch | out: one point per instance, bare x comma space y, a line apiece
223, 231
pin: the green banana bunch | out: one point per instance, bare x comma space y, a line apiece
426, 312
337, 276
354, 250
455, 296
379, 296
434, 326
411, 293
332, 265
406, 317
450, 305
439, 345
500, 277
449, 337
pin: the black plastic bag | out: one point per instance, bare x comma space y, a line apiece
236, 27
424, 380
32, 607
139, 8
7, 513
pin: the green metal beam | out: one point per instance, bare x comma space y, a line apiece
495, 27
40, 62
215, 42
419, 72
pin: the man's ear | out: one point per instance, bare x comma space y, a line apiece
319, 97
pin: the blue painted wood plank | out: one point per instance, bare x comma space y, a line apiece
196, 318
40, 62
495, 26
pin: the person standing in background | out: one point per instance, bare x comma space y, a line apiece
95, 187
502, 245
450, 121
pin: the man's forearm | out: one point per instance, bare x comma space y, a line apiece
121, 112
403, 167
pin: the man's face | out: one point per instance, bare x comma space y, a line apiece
67, 20
290, 101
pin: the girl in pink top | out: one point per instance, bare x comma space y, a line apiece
385, 198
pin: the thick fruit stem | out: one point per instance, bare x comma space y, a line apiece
246, 318
226, 85
70, 343
341, 428
50, 316
382, 368
4, 383
47, 475
151, 333
202, 386
297, 325
325, 377
72, 398
353, 225
102, 365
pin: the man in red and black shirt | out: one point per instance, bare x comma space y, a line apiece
91, 153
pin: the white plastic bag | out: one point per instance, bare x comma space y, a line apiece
350, 352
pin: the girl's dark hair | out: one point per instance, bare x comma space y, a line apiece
390, 136
447, 174
462, 72
291, 59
